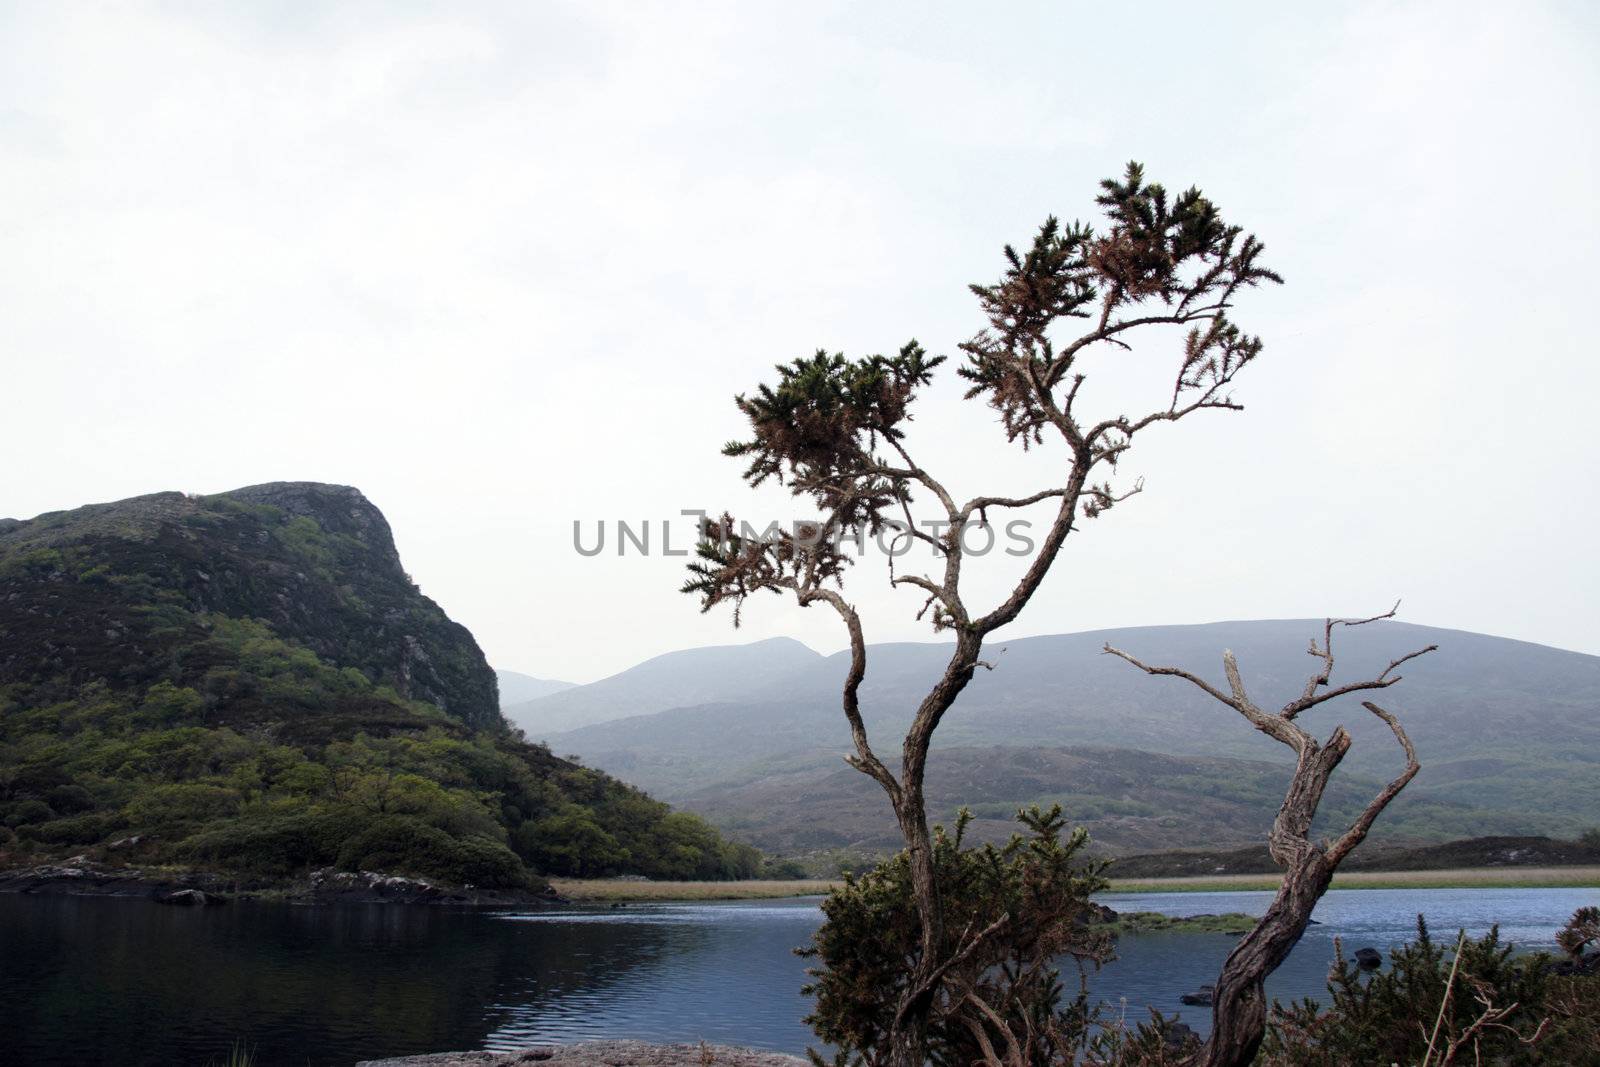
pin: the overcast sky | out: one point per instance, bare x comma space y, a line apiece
503, 266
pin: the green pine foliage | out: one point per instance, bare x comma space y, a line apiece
1535, 1013
1011, 914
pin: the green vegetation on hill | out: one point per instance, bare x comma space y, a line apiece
250, 684
829, 816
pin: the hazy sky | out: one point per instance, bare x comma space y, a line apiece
503, 267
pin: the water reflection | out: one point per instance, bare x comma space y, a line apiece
125, 981
1156, 969
724, 973
87, 981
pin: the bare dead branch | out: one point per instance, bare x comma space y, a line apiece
1237, 1014
1172, 672
1363, 823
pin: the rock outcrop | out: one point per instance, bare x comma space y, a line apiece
317, 563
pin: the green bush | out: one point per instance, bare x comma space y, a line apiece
70, 799
23, 812
274, 845
571, 843
78, 829
407, 846
186, 802
1032, 895
1389, 1016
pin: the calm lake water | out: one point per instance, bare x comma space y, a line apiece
87, 981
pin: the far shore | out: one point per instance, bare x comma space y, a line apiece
607, 890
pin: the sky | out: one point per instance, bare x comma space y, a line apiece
504, 266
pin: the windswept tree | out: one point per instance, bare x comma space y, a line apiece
1239, 1006
833, 430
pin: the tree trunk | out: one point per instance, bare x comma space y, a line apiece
909, 1037
1239, 1011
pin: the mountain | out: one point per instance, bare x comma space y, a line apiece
1508, 732
520, 688
1129, 801
250, 683
676, 679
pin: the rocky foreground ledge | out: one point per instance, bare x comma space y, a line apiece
602, 1054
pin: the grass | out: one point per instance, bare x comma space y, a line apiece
620, 891
240, 1056
1145, 922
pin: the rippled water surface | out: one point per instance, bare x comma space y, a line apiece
88, 981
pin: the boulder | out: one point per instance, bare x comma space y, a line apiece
1369, 959
191, 898
1202, 999
1177, 1035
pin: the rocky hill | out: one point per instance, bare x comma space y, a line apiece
250, 682
110, 590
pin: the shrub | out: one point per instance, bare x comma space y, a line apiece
186, 802
78, 829
405, 846
70, 799
1534, 1015
275, 845
22, 812
165, 704
571, 843
1009, 914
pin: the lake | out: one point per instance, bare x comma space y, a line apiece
88, 980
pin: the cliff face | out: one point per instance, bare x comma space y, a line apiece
123, 592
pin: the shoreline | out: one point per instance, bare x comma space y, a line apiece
602, 1053
81, 877
77, 877
613, 891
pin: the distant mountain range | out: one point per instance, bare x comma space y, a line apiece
520, 688
752, 735
677, 679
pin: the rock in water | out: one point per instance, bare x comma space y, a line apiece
186, 898
1177, 1035
1369, 959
